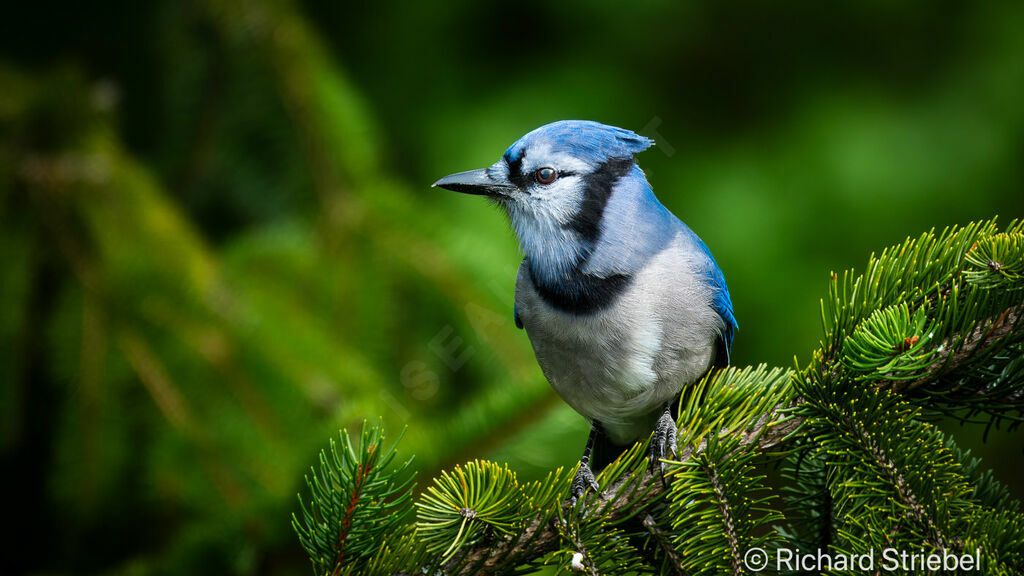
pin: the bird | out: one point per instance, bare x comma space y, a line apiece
624, 305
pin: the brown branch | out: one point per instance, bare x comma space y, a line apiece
723, 506
362, 473
670, 551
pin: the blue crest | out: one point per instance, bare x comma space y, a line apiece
590, 141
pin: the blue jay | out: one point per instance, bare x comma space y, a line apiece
623, 304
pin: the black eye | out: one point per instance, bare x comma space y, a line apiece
546, 175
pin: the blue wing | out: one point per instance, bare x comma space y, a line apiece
721, 301
722, 304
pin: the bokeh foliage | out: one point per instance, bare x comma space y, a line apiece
218, 244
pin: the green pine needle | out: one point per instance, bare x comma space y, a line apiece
997, 262
356, 499
891, 344
467, 503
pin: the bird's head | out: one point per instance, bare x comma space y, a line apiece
554, 183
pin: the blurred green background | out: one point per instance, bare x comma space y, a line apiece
218, 243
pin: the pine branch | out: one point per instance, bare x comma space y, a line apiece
725, 509
543, 536
356, 497
896, 478
985, 335
964, 373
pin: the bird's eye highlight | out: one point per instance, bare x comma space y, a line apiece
546, 175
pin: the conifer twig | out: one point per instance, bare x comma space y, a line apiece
659, 536
544, 537
984, 335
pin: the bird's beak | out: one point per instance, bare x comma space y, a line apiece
476, 182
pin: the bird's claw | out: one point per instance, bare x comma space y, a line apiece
583, 480
663, 443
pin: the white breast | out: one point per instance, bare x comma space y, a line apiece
620, 365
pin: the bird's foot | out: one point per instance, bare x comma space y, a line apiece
663, 443
583, 480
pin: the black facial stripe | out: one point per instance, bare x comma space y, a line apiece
584, 293
597, 188
515, 167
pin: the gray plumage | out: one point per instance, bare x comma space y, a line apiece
619, 366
